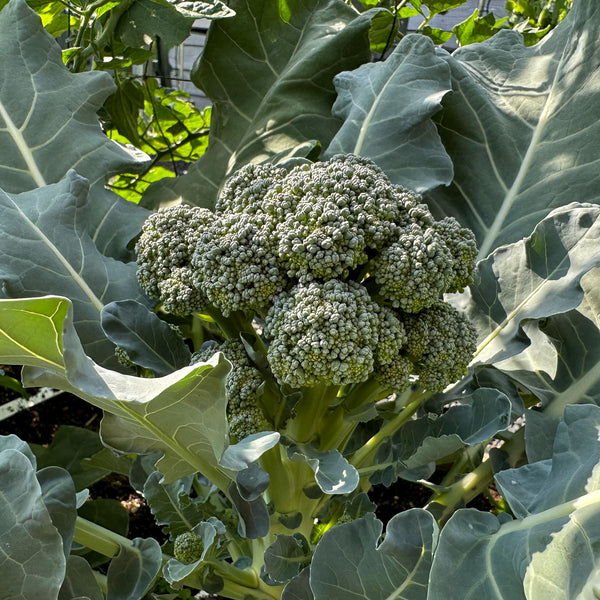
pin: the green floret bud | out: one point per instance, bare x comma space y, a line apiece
322, 333
392, 336
236, 265
188, 547
394, 375
440, 342
463, 248
413, 272
164, 252
243, 388
245, 189
123, 357
331, 214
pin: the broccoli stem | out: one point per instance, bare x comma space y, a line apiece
364, 455
443, 504
286, 489
310, 409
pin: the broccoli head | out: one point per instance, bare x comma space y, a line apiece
164, 254
188, 547
322, 333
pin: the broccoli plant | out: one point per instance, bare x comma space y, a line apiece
378, 270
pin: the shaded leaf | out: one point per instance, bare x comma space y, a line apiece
149, 341
133, 570
521, 128
272, 89
34, 567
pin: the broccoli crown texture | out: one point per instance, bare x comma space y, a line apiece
440, 343
164, 252
188, 547
243, 387
346, 269
322, 332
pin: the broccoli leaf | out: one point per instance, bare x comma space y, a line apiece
134, 569
482, 556
148, 341
535, 278
47, 250
49, 125
36, 564
349, 563
399, 136
521, 127
272, 89
141, 415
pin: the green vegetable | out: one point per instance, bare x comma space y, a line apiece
188, 547
335, 259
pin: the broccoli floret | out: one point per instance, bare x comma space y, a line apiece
245, 189
322, 332
332, 214
236, 264
440, 343
243, 387
164, 252
188, 547
412, 272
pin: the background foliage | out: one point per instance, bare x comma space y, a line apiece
502, 134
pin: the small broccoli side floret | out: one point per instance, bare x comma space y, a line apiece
322, 333
188, 547
164, 252
332, 213
463, 248
243, 387
440, 343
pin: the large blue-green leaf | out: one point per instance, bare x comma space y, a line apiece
48, 125
32, 561
133, 570
349, 562
522, 128
47, 250
387, 108
432, 437
569, 567
272, 89
532, 279
482, 556
181, 415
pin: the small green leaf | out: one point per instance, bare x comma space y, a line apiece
149, 342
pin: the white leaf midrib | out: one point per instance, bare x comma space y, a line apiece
17, 135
